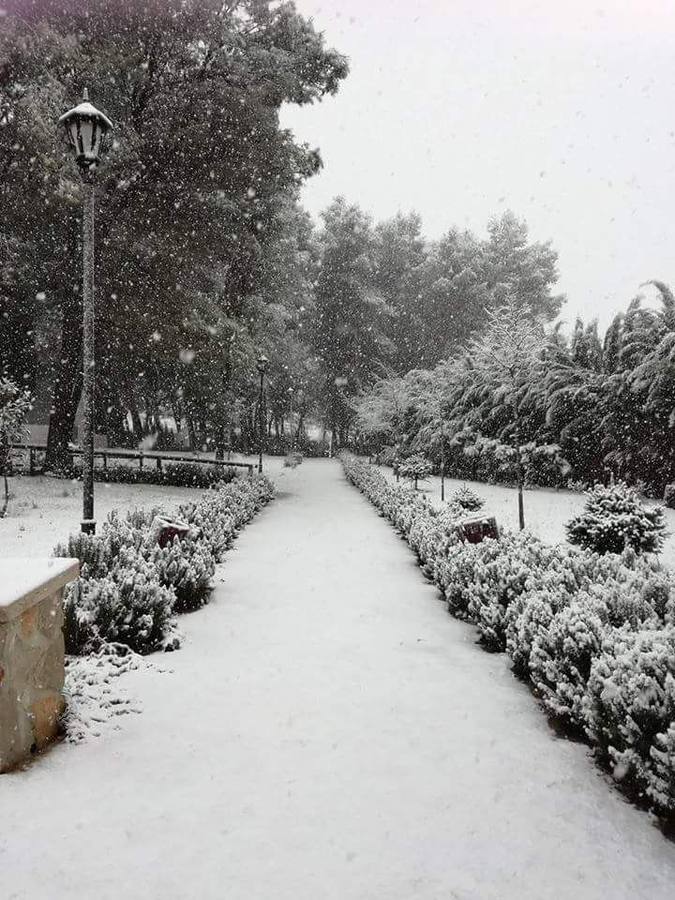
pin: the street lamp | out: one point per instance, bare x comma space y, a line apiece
261, 365
86, 128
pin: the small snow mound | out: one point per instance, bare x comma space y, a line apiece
95, 699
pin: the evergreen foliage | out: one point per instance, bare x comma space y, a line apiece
14, 406
613, 519
468, 499
415, 467
568, 410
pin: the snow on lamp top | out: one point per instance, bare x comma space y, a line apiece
86, 127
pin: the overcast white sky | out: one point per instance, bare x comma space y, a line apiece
564, 113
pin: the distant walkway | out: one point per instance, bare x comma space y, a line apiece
328, 733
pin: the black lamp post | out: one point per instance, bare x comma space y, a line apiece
261, 365
86, 128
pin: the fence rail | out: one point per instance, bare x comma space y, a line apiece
140, 455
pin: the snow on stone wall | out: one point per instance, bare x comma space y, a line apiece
31, 654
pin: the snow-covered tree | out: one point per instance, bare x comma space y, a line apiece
504, 365
614, 518
14, 406
192, 188
350, 329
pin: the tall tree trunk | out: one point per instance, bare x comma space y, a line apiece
192, 438
5, 502
136, 422
521, 477
223, 436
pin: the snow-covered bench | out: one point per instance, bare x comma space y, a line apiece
31, 654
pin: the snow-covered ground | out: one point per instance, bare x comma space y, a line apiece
546, 510
327, 731
44, 511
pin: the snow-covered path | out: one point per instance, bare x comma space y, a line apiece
328, 732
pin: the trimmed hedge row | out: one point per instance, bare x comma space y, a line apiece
130, 587
594, 635
172, 474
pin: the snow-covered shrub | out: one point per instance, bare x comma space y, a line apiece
482, 580
658, 594
630, 708
661, 784
524, 619
633, 589
467, 499
615, 518
127, 606
142, 517
562, 654
561, 576
409, 507
92, 552
431, 535
415, 467
187, 566
216, 524
121, 531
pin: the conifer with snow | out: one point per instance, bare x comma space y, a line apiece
614, 519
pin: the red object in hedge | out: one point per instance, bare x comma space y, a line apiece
474, 531
166, 530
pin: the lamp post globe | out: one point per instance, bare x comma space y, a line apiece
86, 128
261, 365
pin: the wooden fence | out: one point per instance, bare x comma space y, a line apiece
143, 458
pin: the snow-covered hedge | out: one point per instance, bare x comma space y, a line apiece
130, 587
630, 709
125, 606
173, 474
593, 633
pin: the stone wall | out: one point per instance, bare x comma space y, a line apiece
31, 654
